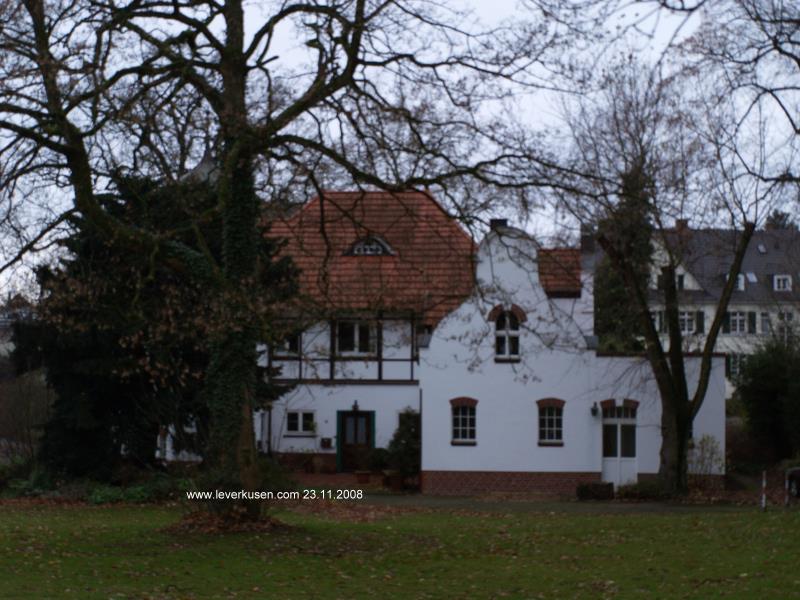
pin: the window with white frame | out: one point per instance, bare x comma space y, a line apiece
355, 337
300, 423
782, 283
766, 324
738, 322
686, 322
740, 282
463, 423
785, 325
507, 336
551, 425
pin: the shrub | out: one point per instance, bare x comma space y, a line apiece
105, 494
18, 468
770, 393
405, 449
705, 457
595, 491
379, 459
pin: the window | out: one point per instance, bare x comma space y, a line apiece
289, 346
680, 281
551, 422
507, 336
739, 282
463, 424
370, 246
354, 337
766, 326
784, 329
782, 283
300, 423
686, 322
619, 412
738, 322
424, 335
551, 425
736, 364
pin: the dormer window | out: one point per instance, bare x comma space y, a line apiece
370, 246
782, 283
740, 282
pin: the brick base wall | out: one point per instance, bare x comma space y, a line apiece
464, 483
318, 462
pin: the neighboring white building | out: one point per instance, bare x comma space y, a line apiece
765, 301
492, 346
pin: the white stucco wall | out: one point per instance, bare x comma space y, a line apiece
387, 402
554, 364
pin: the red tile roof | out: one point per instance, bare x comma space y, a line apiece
560, 272
430, 271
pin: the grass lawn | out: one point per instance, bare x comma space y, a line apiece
118, 552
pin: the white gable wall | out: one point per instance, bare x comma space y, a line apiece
555, 363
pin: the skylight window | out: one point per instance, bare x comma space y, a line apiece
751, 277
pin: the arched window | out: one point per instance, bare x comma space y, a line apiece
506, 331
370, 246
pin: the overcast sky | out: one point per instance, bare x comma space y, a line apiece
653, 32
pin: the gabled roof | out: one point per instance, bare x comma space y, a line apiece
429, 270
560, 272
708, 254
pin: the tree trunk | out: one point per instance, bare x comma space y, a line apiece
673, 470
233, 369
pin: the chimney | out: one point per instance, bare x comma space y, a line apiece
681, 224
496, 224
587, 239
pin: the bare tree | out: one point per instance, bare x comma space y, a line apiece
645, 150
389, 94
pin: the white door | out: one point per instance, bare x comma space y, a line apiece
619, 445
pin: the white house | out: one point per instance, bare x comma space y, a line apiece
490, 345
764, 301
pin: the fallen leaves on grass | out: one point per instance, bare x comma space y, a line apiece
351, 512
200, 521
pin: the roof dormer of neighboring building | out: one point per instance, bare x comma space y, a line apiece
770, 268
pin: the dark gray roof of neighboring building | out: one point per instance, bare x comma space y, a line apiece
708, 254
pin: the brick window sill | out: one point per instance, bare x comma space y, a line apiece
551, 444
506, 360
463, 443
